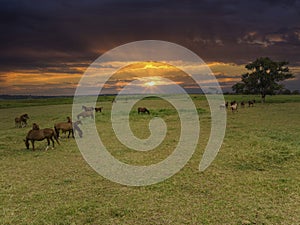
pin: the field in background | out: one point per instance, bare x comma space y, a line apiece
254, 179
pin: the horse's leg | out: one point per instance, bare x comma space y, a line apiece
48, 143
32, 142
72, 131
52, 141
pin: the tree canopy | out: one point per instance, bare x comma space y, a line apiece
263, 78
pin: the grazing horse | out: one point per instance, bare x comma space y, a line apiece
85, 114
234, 106
76, 128
37, 134
98, 109
85, 108
21, 121
64, 127
242, 104
143, 110
251, 103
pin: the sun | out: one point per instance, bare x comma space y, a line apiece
151, 83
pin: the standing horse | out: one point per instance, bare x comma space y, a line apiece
98, 109
251, 103
21, 121
64, 127
143, 110
234, 106
85, 108
242, 104
37, 134
85, 114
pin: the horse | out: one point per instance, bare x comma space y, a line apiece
251, 103
76, 128
64, 126
85, 108
222, 106
98, 109
234, 107
143, 110
37, 134
85, 114
242, 104
21, 121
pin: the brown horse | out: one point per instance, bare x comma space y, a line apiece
143, 110
75, 128
37, 134
98, 109
242, 104
85, 108
251, 103
21, 121
64, 127
85, 114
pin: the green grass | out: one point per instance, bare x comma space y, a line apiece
254, 179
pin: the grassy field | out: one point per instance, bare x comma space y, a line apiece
254, 179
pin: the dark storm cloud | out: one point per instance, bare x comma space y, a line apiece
51, 35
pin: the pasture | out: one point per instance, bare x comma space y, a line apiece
253, 180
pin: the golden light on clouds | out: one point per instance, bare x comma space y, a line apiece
58, 81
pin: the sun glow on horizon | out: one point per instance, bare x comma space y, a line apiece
151, 83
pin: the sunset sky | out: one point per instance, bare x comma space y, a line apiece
47, 45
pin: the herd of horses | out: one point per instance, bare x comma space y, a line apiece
53, 134
50, 134
234, 105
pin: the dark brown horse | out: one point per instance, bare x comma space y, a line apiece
37, 134
21, 121
242, 104
143, 110
251, 103
98, 109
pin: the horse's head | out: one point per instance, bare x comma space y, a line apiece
78, 122
25, 116
35, 126
69, 119
26, 143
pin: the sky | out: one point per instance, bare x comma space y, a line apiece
46, 46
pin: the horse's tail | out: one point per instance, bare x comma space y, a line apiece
55, 135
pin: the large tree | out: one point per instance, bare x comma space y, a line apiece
263, 78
